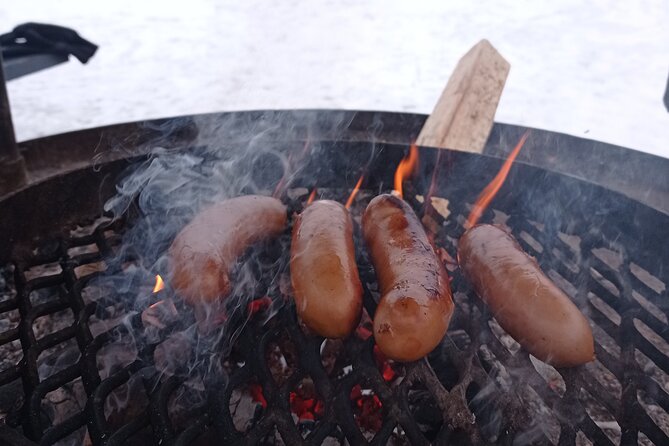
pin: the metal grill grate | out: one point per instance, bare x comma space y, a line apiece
477, 387
621, 397
484, 388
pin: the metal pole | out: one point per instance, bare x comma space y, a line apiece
12, 165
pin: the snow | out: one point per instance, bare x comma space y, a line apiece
595, 69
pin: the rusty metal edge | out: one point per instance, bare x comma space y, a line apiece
637, 175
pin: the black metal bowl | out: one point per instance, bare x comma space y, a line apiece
604, 248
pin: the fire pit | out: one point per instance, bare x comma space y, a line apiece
95, 362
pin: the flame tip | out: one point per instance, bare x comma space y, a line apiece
160, 284
489, 192
405, 168
312, 196
354, 192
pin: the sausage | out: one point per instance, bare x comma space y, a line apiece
525, 302
203, 252
326, 284
416, 303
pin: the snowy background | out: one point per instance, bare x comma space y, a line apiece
596, 69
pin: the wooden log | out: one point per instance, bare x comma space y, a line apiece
463, 116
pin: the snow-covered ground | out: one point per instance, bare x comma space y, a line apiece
596, 69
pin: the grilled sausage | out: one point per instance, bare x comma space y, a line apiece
416, 303
526, 303
206, 248
326, 285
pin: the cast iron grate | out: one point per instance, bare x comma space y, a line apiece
478, 386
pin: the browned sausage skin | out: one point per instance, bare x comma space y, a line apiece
416, 304
206, 248
525, 302
326, 284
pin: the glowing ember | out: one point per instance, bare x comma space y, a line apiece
256, 393
306, 408
493, 187
384, 365
406, 168
258, 305
159, 284
351, 197
368, 412
312, 196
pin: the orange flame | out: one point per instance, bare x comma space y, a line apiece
493, 187
406, 168
355, 191
159, 284
312, 196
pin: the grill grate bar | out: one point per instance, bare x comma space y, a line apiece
120, 436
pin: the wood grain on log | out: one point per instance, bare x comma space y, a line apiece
464, 114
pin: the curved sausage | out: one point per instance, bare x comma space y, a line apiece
206, 248
525, 302
416, 304
326, 285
